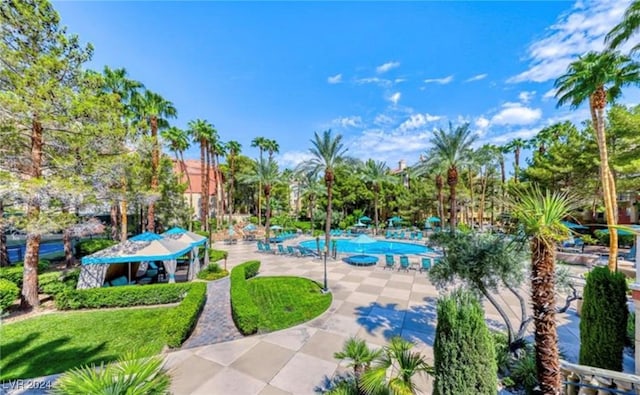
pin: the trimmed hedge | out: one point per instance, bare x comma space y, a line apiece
88, 247
8, 294
123, 296
212, 272
15, 273
182, 319
54, 283
623, 240
603, 324
244, 310
217, 255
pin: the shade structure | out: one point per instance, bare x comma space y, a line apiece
395, 219
632, 229
433, 219
136, 250
275, 227
360, 225
185, 236
574, 226
363, 239
250, 227
364, 218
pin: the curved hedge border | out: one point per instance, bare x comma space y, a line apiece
243, 308
123, 296
182, 319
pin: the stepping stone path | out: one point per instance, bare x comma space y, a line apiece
216, 323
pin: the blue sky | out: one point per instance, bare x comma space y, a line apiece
383, 74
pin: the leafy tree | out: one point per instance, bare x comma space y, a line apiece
627, 28
233, 150
266, 174
201, 131
599, 78
376, 174
540, 214
463, 350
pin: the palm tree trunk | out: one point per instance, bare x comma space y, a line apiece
230, 192
375, 208
503, 178
124, 231
66, 242
4, 253
113, 217
328, 177
483, 196
452, 180
207, 213
260, 195
29, 297
544, 307
267, 214
471, 197
186, 172
203, 185
516, 163
596, 105
155, 164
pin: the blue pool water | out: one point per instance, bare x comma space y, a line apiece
16, 253
379, 247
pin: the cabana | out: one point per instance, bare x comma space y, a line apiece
196, 241
143, 248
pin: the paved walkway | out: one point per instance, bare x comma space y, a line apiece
215, 324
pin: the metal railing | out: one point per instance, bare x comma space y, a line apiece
587, 380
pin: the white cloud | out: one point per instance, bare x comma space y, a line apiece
482, 123
525, 133
395, 98
382, 119
335, 79
516, 115
373, 80
390, 146
399, 80
441, 81
383, 68
417, 121
293, 158
476, 77
578, 31
550, 94
526, 96
348, 122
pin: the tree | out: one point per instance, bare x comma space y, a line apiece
216, 150
540, 215
151, 111
261, 143
201, 130
628, 27
463, 349
452, 147
358, 356
599, 78
267, 175
312, 189
233, 150
377, 174
178, 142
272, 147
516, 146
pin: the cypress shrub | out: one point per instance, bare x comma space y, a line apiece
603, 325
464, 352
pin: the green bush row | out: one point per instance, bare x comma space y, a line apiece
244, 310
216, 255
212, 272
9, 292
55, 283
15, 273
623, 240
123, 296
89, 246
182, 319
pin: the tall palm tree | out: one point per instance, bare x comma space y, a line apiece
377, 174
599, 78
628, 27
328, 152
201, 130
178, 142
216, 150
451, 148
267, 175
541, 214
261, 143
117, 82
272, 147
516, 146
152, 110
233, 150
311, 189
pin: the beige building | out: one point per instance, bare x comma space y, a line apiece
190, 173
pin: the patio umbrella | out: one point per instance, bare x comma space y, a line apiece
231, 231
250, 227
573, 225
433, 219
624, 232
396, 219
360, 225
275, 227
363, 239
364, 218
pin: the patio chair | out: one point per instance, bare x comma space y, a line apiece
629, 256
412, 236
404, 263
387, 235
419, 236
281, 250
304, 251
267, 248
425, 264
291, 251
401, 235
389, 261
260, 246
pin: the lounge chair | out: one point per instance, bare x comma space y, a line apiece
390, 261
425, 264
404, 263
304, 251
401, 235
281, 250
419, 236
387, 235
260, 246
267, 248
291, 251
629, 256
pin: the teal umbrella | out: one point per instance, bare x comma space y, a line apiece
623, 232
433, 219
364, 218
363, 239
396, 219
573, 225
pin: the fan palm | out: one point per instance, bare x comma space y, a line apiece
435, 167
377, 174
178, 142
311, 188
541, 214
233, 150
358, 355
623, 31
261, 143
451, 148
328, 152
152, 111
216, 150
272, 147
599, 78
267, 175
201, 131
516, 146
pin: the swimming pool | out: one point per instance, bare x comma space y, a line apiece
379, 247
16, 253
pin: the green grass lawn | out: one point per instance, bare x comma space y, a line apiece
287, 301
54, 343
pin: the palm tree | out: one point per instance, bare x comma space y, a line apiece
599, 78
451, 149
541, 214
233, 150
376, 173
201, 130
623, 31
216, 150
267, 175
358, 356
516, 146
311, 188
178, 142
152, 111
272, 147
328, 153
261, 143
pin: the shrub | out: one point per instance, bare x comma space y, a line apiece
182, 319
202, 233
623, 240
216, 255
212, 272
524, 371
9, 292
123, 296
55, 283
631, 331
13, 274
603, 325
89, 246
245, 312
464, 353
